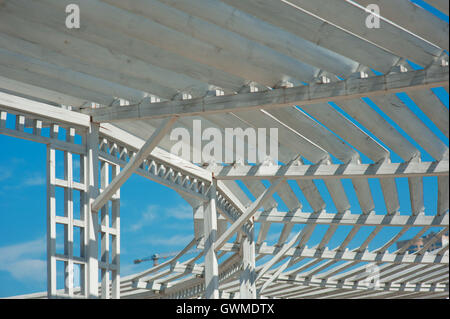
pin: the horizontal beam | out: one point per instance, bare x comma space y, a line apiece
19, 105
330, 171
58, 144
134, 143
310, 94
349, 255
383, 286
372, 219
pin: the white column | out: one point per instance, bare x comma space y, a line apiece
115, 240
210, 228
91, 181
51, 218
248, 275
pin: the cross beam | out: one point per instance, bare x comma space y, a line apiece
330, 171
247, 214
133, 164
310, 94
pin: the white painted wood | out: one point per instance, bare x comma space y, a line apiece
303, 95
374, 123
326, 238
416, 195
288, 196
318, 31
314, 282
57, 144
393, 240
211, 266
210, 33
280, 255
286, 231
312, 195
316, 133
390, 195
306, 233
92, 63
51, 97
248, 26
287, 137
21, 74
441, 5
389, 36
51, 225
239, 61
247, 214
443, 190
247, 289
430, 104
364, 195
91, 180
133, 164
82, 80
435, 238
403, 249
22, 105
336, 269
348, 131
104, 234
115, 244
348, 218
257, 188
229, 120
171, 70
338, 195
414, 19
136, 143
412, 125
262, 234
333, 171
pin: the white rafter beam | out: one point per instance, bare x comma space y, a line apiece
310, 94
350, 255
384, 286
133, 164
348, 218
333, 171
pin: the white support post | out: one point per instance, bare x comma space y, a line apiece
109, 235
115, 239
104, 234
91, 216
68, 212
247, 279
51, 219
210, 229
61, 211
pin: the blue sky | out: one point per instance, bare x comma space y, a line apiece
154, 219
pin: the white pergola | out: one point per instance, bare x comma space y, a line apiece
108, 93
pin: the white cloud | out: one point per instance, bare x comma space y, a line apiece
175, 240
183, 212
35, 180
156, 212
5, 173
32, 179
146, 218
24, 261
